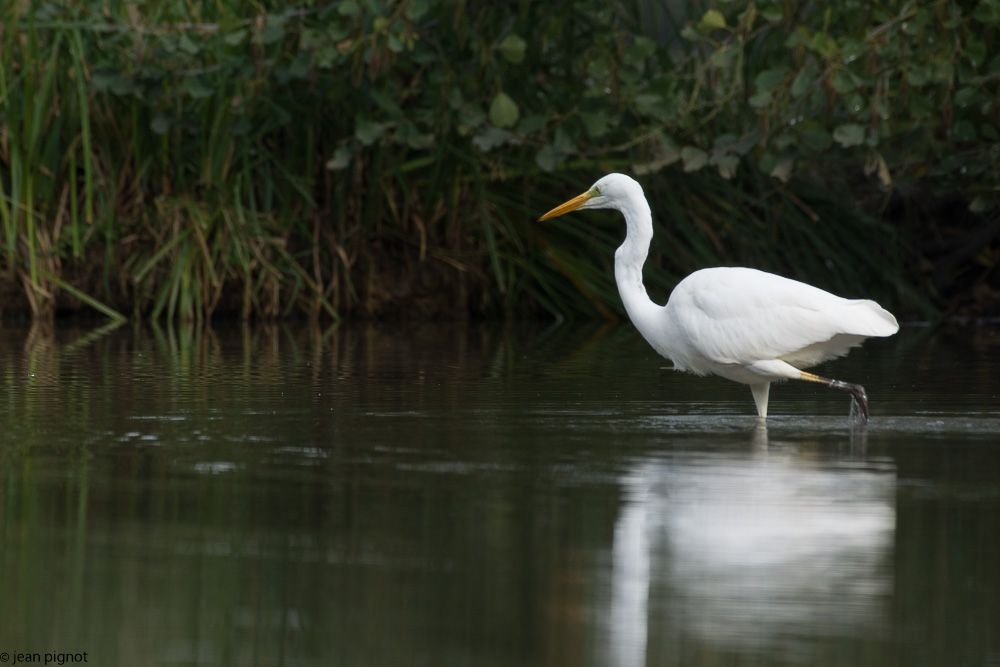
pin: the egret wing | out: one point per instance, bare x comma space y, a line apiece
738, 316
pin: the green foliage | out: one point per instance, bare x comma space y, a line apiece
906, 90
180, 159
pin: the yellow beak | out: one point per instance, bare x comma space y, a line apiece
571, 205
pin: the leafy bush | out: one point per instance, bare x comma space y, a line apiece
381, 159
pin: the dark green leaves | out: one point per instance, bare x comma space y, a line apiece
276, 114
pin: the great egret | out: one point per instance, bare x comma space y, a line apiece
741, 324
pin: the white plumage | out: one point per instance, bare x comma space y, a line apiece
741, 324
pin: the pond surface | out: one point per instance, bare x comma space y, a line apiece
461, 495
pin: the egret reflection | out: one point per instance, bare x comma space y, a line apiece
750, 552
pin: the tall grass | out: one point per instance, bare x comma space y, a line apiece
148, 180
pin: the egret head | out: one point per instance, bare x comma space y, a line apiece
611, 191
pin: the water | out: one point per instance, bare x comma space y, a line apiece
453, 495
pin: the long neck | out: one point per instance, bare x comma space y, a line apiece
629, 258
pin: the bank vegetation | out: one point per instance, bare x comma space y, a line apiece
183, 160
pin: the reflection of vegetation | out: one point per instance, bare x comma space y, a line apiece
255, 496
390, 158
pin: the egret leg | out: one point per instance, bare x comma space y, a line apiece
855, 390
760, 392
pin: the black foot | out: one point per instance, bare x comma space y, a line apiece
857, 393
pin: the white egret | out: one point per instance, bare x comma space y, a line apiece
741, 324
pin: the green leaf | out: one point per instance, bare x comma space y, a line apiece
882, 169
760, 100
693, 158
772, 14
770, 78
967, 96
328, 56
843, 82
726, 164
340, 160
747, 142
386, 103
853, 48
421, 142
849, 134
273, 31
817, 140
161, 122
107, 80
471, 115
916, 25
987, 11
767, 162
801, 83
512, 48
563, 141
664, 155
981, 204
417, 9
783, 169
656, 106
950, 162
197, 87
689, 33
548, 158
240, 128
823, 44
917, 76
642, 47
236, 37
531, 124
963, 131
712, 20
723, 56
188, 45
503, 111
598, 66
299, 68
368, 131
348, 8
975, 51
801, 37
595, 122
490, 138
724, 143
